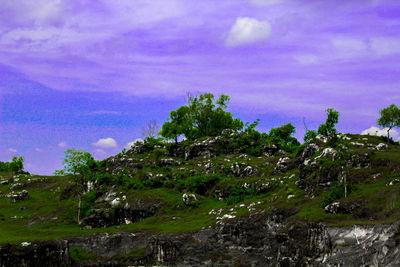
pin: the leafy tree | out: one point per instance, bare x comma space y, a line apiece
282, 136
328, 129
390, 117
310, 136
201, 117
15, 165
80, 165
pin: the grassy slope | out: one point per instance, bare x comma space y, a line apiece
44, 216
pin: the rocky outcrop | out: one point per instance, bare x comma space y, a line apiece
48, 253
234, 242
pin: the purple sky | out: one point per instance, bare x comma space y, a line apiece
74, 72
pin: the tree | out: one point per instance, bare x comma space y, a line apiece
390, 118
151, 129
282, 135
203, 116
328, 129
80, 165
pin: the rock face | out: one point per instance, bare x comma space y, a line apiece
261, 242
49, 253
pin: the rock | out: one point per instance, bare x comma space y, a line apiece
282, 165
281, 152
382, 146
25, 244
356, 144
393, 182
242, 170
243, 156
188, 199
323, 139
228, 132
168, 162
16, 186
4, 182
360, 161
115, 202
340, 207
19, 196
328, 152
309, 150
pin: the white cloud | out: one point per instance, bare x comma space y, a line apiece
62, 144
128, 145
38, 150
106, 143
382, 132
247, 31
265, 2
12, 150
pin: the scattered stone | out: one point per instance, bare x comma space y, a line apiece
290, 196
25, 244
19, 196
5, 182
356, 144
282, 165
228, 132
340, 207
168, 162
328, 152
393, 182
382, 147
115, 202
188, 198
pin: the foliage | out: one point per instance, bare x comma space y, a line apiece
79, 163
15, 165
201, 117
201, 183
390, 117
282, 136
328, 129
337, 192
310, 136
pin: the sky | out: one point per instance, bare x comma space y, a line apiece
74, 74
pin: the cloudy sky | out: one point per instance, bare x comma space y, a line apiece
88, 76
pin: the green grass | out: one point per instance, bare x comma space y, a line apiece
79, 254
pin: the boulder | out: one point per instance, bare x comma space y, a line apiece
19, 196
242, 170
188, 199
328, 152
382, 146
309, 150
282, 165
341, 207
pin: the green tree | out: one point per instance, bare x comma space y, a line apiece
309, 136
80, 164
17, 164
203, 116
282, 136
390, 117
328, 129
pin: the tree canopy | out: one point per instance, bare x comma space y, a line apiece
203, 116
390, 118
328, 129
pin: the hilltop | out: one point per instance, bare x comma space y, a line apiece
216, 201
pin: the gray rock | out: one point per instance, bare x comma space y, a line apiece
282, 165
382, 146
188, 199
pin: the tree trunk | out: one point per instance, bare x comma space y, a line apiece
388, 132
79, 209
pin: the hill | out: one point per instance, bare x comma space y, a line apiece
213, 201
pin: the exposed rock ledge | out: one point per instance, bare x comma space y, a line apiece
266, 242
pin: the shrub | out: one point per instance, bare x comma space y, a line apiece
201, 183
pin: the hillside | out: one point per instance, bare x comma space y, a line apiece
214, 201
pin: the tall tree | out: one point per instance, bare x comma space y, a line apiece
390, 118
79, 164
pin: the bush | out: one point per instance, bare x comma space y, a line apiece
201, 183
337, 192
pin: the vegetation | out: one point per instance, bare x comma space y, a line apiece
16, 165
201, 117
238, 177
390, 118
